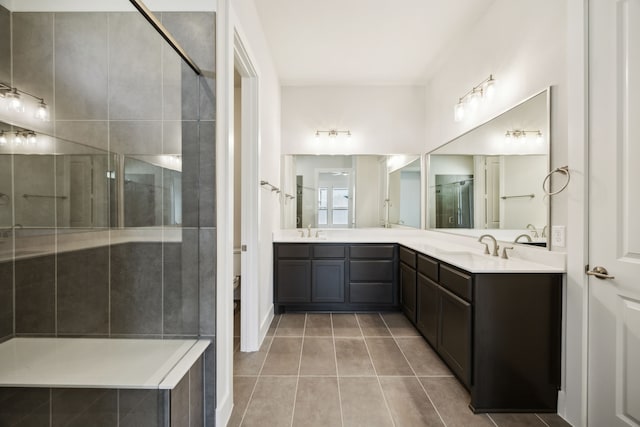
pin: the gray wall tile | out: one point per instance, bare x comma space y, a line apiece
81, 66
141, 408
180, 403
6, 187
5, 45
34, 174
83, 291
6, 300
207, 137
24, 407
207, 268
92, 133
135, 68
83, 407
209, 378
33, 58
190, 174
136, 288
35, 298
135, 137
196, 393
180, 281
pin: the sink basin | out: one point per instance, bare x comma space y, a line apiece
466, 257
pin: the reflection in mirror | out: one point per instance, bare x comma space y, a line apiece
491, 177
338, 191
404, 187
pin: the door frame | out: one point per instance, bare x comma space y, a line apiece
231, 50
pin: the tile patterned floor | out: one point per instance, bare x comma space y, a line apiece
354, 370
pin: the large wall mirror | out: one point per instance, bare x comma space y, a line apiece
351, 191
490, 179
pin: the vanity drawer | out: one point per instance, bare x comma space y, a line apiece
428, 267
408, 257
293, 251
372, 251
371, 271
328, 251
380, 293
456, 281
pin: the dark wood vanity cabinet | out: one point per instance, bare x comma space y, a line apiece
335, 277
408, 280
427, 303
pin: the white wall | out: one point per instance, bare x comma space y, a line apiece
382, 119
250, 30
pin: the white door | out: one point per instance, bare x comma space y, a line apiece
614, 213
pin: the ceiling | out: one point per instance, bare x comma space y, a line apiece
363, 42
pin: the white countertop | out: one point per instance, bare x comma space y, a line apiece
97, 362
461, 251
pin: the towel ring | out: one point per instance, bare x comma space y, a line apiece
563, 170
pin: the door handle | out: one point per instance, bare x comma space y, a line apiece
599, 272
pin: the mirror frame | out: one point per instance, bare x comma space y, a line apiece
427, 166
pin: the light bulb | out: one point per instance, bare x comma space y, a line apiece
317, 135
474, 98
507, 137
42, 113
18, 139
3, 138
458, 111
539, 138
15, 103
489, 88
31, 138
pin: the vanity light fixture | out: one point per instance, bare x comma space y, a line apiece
13, 95
19, 137
520, 134
333, 133
471, 99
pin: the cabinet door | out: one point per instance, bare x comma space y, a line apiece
327, 281
294, 281
408, 291
454, 334
427, 310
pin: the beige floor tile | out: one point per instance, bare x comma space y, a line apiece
291, 325
345, 325
422, 358
317, 403
387, 357
318, 325
250, 363
242, 388
372, 325
408, 403
283, 357
318, 357
517, 420
274, 324
272, 403
452, 402
399, 325
362, 403
554, 420
353, 358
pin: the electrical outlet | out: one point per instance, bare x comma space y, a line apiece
558, 236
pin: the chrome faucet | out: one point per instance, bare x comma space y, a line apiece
545, 229
309, 230
532, 228
301, 233
486, 246
525, 236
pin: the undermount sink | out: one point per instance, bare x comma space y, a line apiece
466, 257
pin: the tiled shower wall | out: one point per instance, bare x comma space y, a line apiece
113, 83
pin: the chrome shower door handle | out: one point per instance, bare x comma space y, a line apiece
600, 273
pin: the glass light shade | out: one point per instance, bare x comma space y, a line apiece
18, 139
42, 113
31, 138
474, 98
489, 88
508, 138
14, 101
3, 138
539, 138
458, 111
